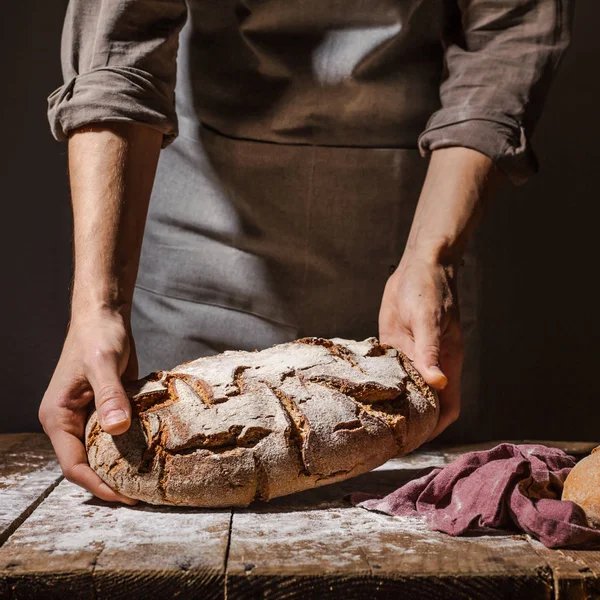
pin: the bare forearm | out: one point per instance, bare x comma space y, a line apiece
458, 182
419, 311
112, 168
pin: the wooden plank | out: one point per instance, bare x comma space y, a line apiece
576, 449
75, 546
580, 579
10, 439
576, 573
28, 472
349, 552
310, 545
316, 545
382, 480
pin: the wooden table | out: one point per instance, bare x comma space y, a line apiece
57, 541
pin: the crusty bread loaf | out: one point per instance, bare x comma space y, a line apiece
228, 429
582, 486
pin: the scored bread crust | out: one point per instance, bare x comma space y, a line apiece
239, 426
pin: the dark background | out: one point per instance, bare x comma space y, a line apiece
538, 242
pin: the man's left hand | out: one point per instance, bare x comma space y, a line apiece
419, 315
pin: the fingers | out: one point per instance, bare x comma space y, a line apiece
398, 339
73, 461
427, 346
423, 350
419, 315
112, 403
449, 397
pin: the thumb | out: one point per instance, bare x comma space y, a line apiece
427, 354
112, 403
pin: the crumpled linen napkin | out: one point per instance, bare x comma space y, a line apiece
509, 488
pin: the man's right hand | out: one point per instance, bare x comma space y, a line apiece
98, 351
111, 170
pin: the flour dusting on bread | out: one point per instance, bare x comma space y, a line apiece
239, 426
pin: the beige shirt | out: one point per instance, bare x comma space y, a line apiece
361, 73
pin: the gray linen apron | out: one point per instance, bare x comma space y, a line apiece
287, 219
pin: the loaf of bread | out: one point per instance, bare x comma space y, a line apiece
240, 426
582, 486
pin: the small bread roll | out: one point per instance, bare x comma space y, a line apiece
582, 486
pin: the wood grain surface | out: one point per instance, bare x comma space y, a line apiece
313, 545
28, 472
74, 546
316, 545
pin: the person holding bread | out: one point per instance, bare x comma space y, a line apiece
324, 164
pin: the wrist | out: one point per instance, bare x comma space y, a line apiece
457, 184
431, 252
104, 301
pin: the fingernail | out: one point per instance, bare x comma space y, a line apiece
118, 415
438, 372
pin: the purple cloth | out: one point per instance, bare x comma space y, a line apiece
506, 489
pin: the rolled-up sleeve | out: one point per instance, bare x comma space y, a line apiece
499, 64
119, 64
